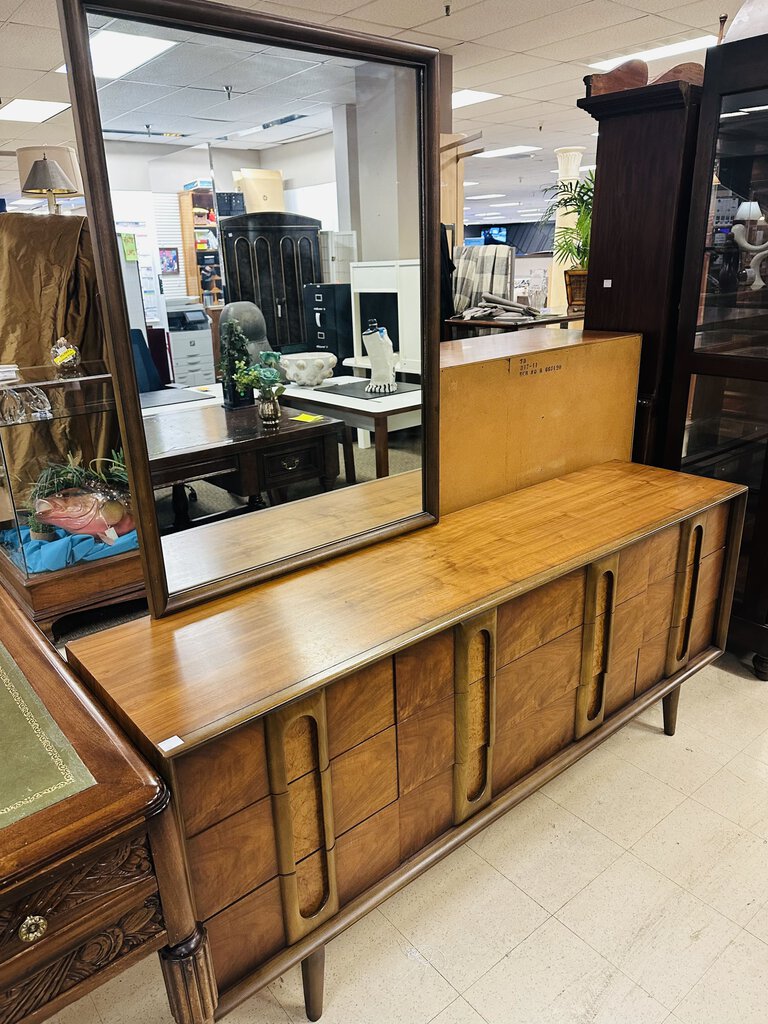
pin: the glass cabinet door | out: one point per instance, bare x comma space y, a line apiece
733, 305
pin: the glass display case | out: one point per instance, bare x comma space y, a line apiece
67, 530
719, 411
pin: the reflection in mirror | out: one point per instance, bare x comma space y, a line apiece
267, 206
65, 509
734, 283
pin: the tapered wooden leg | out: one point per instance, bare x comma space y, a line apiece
670, 703
313, 979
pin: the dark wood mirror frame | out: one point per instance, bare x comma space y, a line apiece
206, 16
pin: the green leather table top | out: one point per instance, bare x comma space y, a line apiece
38, 765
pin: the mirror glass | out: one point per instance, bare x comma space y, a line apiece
267, 207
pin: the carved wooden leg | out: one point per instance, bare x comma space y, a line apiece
670, 703
313, 979
189, 981
760, 665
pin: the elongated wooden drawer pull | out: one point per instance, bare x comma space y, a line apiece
474, 713
686, 592
297, 924
597, 643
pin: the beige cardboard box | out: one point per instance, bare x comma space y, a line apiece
523, 407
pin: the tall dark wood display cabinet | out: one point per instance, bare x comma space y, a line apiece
645, 157
268, 258
719, 409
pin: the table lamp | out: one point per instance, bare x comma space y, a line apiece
46, 178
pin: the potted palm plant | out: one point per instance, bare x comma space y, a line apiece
571, 245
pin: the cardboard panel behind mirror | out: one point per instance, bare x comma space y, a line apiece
267, 215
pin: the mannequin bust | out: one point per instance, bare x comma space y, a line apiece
253, 325
378, 345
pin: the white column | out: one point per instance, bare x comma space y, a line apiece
568, 163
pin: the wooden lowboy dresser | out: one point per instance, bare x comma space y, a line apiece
329, 735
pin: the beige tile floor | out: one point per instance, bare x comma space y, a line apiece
633, 889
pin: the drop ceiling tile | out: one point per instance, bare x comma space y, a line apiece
648, 6
51, 87
415, 35
574, 21
37, 12
13, 81
352, 24
332, 7
335, 96
314, 15
408, 14
145, 28
510, 66
255, 72
121, 97
470, 55
589, 47
704, 14
564, 92
553, 73
40, 50
186, 64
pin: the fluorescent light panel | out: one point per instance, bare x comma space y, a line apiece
31, 111
751, 110
658, 52
115, 54
466, 97
509, 151
491, 195
734, 113
469, 184
505, 204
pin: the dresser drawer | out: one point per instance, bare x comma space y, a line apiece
297, 463
55, 984
535, 618
56, 905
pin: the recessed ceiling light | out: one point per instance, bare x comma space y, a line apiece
671, 50
468, 184
491, 195
114, 54
32, 111
466, 97
505, 204
734, 113
509, 151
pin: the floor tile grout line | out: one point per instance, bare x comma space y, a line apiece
706, 971
615, 967
732, 820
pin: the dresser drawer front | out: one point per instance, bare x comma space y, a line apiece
281, 468
108, 874
52, 986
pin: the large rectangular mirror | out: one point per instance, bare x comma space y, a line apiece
263, 201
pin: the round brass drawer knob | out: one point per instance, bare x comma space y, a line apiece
32, 928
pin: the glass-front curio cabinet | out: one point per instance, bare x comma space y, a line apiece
719, 414
68, 535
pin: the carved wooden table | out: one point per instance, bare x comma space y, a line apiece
331, 734
85, 845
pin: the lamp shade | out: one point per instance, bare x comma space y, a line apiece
65, 157
46, 177
749, 212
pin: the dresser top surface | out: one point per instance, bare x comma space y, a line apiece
201, 671
531, 342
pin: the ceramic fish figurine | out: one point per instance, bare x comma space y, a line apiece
96, 513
